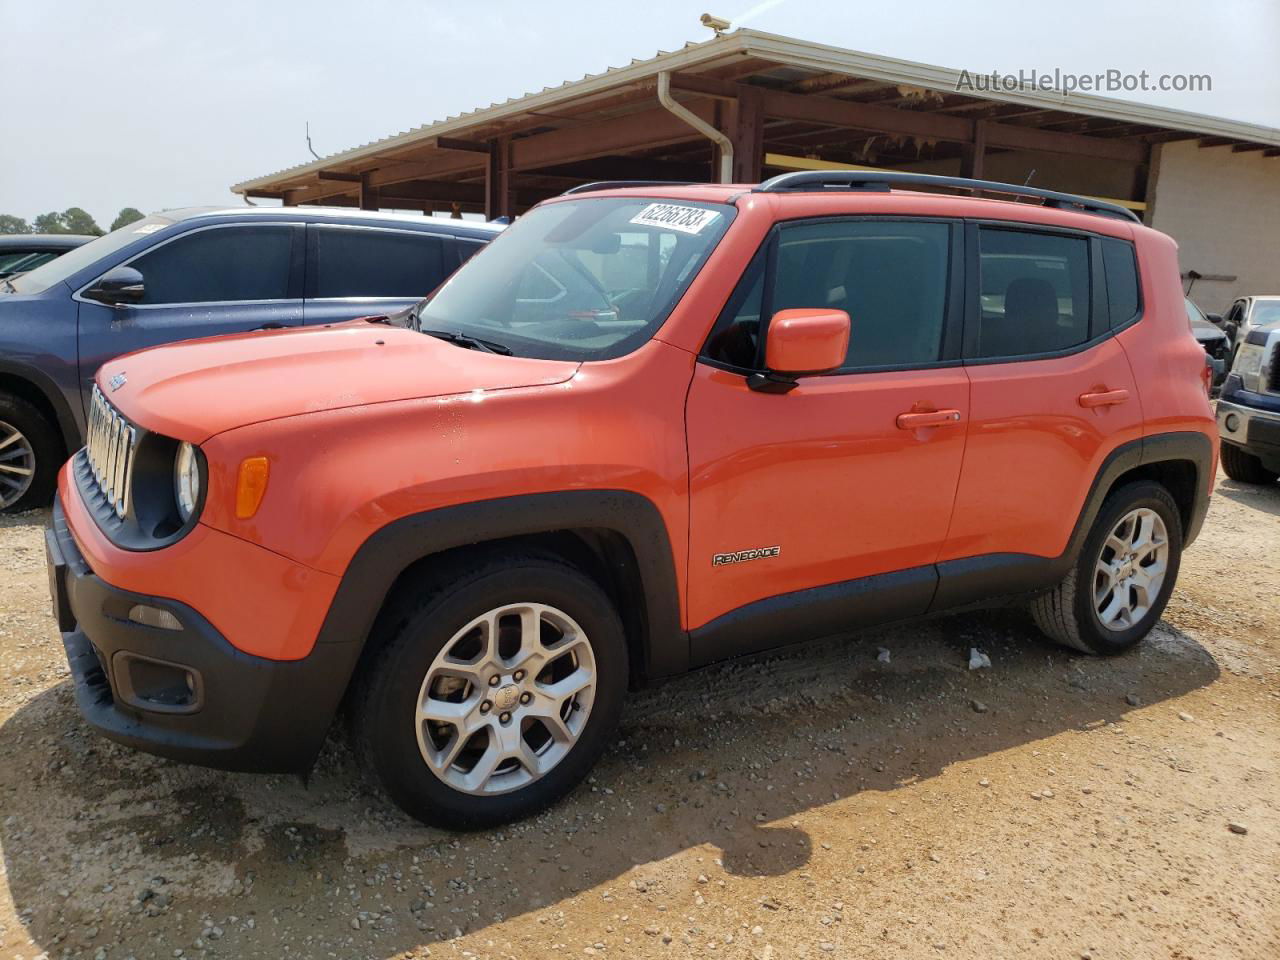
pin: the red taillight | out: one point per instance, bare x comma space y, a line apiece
1206, 376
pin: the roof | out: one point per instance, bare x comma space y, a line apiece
783, 58
44, 241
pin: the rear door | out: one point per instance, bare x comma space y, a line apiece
354, 271
222, 278
1051, 393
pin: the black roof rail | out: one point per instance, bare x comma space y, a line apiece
816, 181
620, 184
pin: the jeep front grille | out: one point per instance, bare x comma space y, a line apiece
110, 447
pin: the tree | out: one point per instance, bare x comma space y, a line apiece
12, 224
70, 220
50, 222
127, 216
77, 220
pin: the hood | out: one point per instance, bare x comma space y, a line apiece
199, 388
1204, 330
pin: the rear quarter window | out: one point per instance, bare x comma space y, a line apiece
1120, 266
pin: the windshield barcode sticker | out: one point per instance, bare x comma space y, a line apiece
673, 216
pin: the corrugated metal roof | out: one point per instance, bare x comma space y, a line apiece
784, 51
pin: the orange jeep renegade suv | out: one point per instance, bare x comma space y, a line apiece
649, 427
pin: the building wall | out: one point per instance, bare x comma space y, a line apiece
1092, 176
1223, 209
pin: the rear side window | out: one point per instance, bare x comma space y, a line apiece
889, 276
467, 248
1121, 270
219, 265
1034, 292
356, 262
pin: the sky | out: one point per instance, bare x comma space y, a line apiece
155, 104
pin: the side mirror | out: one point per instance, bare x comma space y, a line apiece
118, 286
1214, 318
801, 341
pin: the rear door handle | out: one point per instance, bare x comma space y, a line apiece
934, 418
1104, 398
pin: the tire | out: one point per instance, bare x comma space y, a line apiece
390, 736
29, 442
1245, 467
1069, 613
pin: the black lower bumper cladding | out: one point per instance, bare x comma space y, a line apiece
181, 690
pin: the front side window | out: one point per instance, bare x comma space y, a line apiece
890, 276
219, 265
581, 279
1034, 292
355, 262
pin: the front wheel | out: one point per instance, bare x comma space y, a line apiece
30, 455
1122, 579
494, 693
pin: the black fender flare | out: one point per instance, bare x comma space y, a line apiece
976, 579
391, 550
67, 424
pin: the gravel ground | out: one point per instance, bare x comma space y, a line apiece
817, 803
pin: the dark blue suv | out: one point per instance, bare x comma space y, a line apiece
185, 274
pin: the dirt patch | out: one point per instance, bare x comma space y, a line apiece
814, 803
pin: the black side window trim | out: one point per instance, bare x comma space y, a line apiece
766, 257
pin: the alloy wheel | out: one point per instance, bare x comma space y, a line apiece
17, 464
1130, 569
506, 699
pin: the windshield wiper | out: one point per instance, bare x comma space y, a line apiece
469, 343
9, 283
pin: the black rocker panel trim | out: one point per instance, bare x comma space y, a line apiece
817, 612
392, 549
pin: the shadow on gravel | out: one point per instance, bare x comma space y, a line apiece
721, 759
1258, 496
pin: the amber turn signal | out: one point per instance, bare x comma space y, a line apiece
251, 486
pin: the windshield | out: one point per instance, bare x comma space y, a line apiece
583, 279
73, 261
1194, 316
1265, 311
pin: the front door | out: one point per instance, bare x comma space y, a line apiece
833, 488
205, 282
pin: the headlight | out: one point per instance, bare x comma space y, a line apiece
186, 481
1249, 364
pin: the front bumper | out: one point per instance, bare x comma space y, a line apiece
186, 693
1253, 429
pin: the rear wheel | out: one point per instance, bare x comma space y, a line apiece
1245, 467
494, 693
1122, 579
30, 454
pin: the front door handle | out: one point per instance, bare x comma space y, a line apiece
934, 418
1103, 398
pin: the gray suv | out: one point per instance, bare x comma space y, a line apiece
186, 274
